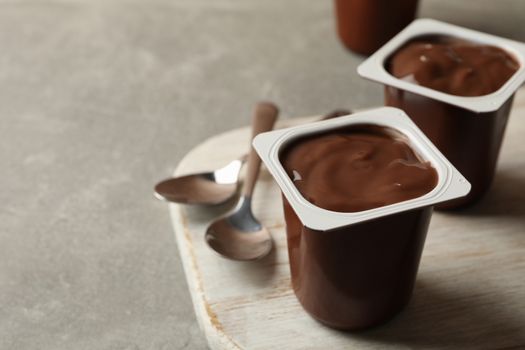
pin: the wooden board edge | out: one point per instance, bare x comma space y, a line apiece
207, 318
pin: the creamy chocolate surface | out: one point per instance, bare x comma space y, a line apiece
357, 169
453, 66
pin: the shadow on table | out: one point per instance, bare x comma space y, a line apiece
259, 272
506, 198
451, 319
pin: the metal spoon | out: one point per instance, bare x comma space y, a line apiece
238, 235
208, 188
214, 187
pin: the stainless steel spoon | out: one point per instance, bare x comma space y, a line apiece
238, 235
207, 188
214, 187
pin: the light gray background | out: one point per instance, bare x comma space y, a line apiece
99, 100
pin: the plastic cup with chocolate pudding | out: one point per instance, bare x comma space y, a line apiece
457, 85
358, 193
364, 26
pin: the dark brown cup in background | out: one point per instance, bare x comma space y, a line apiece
364, 26
471, 141
358, 276
467, 129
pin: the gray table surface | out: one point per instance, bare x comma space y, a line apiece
99, 100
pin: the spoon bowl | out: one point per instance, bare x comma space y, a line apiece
214, 187
239, 236
209, 188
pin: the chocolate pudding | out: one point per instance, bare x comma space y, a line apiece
470, 140
365, 25
453, 66
357, 169
360, 275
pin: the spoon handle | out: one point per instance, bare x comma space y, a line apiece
264, 118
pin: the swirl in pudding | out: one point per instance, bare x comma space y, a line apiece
453, 66
356, 169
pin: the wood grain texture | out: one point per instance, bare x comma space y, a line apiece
470, 290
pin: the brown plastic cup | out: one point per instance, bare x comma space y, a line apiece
358, 276
364, 26
356, 270
467, 130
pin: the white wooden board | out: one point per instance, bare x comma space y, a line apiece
470, 290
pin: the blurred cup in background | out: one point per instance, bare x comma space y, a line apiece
365, 25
